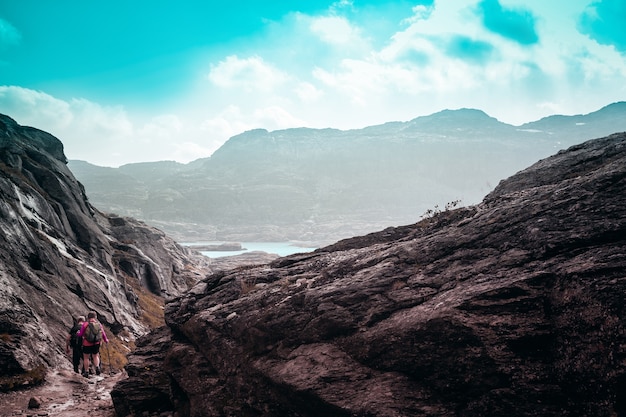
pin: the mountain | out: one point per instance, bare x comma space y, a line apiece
322, 185
580, 126
61, 257
511, 307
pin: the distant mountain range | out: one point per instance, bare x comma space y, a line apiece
322, 185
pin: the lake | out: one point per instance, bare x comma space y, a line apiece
279, 248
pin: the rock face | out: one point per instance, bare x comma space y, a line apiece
60, 257
512, 307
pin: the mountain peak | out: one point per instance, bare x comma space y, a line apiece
611, 116
464, 119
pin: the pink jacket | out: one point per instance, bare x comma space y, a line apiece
81, 332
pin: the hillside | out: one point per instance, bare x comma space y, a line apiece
322, 185
61, 257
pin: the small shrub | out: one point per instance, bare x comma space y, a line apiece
247, 280
247, 283
436, 210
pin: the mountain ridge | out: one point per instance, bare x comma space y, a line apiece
329, 184
619, 107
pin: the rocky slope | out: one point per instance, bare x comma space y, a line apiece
61, 257
511, 307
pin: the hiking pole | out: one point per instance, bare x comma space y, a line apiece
109, 358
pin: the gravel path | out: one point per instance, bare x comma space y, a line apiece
66, 394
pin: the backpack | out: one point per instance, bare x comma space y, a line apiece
93, 333
74, 339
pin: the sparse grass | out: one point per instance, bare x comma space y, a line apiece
398, 284
152, 309
114, 354
247, 281
151, 306
247, 285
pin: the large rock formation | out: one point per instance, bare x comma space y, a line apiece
60, 257
512, 307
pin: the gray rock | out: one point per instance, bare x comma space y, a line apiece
512, 307
34, 403
60, 257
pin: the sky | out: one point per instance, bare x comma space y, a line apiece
137, 81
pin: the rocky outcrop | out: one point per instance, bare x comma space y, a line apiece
61, 257
511, 307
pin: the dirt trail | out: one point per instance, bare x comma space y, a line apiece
66, 394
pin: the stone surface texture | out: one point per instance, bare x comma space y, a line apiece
60, 257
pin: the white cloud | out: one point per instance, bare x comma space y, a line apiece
35, 108
356, 79
188, 151
420, 12
250, 74
233, 121
229, 122
340, 5
307, 92
336, 31
162, 126
324, 71
97, 120
103, 135
415, 63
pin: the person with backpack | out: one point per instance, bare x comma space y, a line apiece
93, 335
75, 343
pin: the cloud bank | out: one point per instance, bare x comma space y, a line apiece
349, 65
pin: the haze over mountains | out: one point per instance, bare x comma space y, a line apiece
322, 185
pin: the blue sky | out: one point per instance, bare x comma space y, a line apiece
133, 81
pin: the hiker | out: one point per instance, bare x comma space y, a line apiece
93, 335
75, 343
